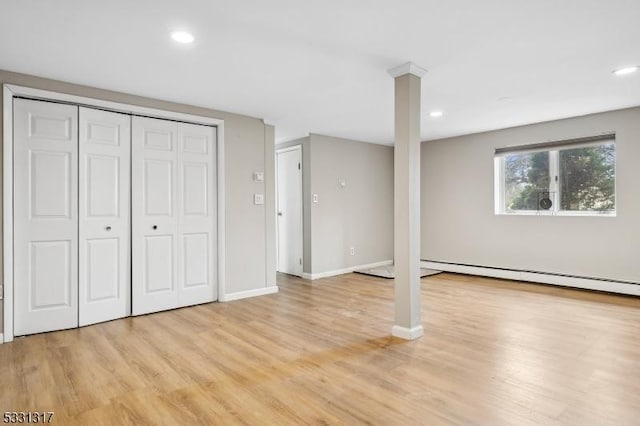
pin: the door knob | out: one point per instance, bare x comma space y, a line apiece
107, 228
279, 213
154, 227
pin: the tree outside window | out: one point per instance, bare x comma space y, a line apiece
580, 179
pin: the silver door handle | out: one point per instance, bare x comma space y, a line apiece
279, 213
107, 228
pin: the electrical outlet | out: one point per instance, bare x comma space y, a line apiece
315, 198
258, 199
258, 176
352, 251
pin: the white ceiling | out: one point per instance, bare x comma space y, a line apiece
321, 66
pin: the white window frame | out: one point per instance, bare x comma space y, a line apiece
554, 186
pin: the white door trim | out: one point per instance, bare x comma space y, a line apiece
290, 148
7, 212
9, 92
280, 151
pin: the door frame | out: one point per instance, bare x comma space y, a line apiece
9, 92
301, 180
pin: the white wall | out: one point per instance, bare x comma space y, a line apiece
459, 225
248, 143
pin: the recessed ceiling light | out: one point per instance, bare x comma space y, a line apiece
626, 70
435, 114
182, 37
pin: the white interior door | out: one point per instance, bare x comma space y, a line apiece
104, 237
45, 216
196, 214
154, 243
289, 203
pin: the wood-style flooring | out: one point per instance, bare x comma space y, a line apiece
494, 352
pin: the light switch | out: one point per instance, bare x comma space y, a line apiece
315, 198
258, 176
342, 183
258, 199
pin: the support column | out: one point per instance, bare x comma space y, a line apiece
407, 324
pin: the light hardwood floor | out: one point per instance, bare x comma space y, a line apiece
494, 352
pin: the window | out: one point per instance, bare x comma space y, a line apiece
572, 177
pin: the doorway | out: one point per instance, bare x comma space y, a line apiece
289, 210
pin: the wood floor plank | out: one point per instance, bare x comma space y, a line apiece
494, 352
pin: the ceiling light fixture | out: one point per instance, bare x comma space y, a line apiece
626, 70
435, 114
182, 37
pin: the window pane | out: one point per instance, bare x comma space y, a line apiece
526, 176
587, 178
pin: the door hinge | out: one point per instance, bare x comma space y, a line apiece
298, 166
301, 261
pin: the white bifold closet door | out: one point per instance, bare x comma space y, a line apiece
173, 215
104, 255
45, 216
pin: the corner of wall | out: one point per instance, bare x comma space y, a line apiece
270, 204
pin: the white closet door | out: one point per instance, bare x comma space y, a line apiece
197, 214
45, 216
154, 215
104, 191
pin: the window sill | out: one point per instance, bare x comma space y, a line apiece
562, 213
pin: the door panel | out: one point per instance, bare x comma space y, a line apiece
159, 260
50, 277
104, 133
161, 137
196, 265
49, 126
103, 188
197, 143
289, 202
103, 269
197, 214
45, 216
154, 218
158, 187
104, 256
50, 184
196, 188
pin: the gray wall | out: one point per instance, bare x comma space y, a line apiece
359, 215
270, 203
247, 143
459, 225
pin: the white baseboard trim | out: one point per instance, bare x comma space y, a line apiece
1, 338
348, 270
407, 333
249, 293
538, 277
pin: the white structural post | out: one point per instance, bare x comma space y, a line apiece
407, 324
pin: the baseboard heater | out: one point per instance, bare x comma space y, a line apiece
588, 283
